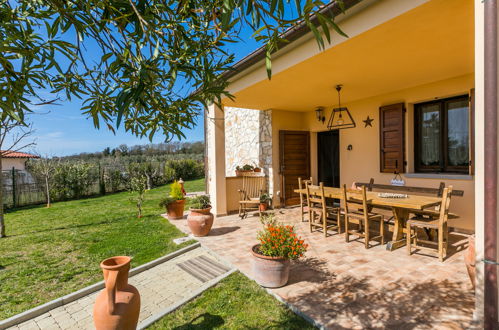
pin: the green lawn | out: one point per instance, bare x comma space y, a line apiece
50, 252
235, 303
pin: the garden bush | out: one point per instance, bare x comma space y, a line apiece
187, 169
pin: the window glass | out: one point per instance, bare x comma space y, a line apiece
457, 133
430, 134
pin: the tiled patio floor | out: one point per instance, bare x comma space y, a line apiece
344, 286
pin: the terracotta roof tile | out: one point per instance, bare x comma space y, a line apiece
16, 154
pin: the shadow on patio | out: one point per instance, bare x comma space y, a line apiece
343, 285
347, 301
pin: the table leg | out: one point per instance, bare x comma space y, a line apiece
398, 240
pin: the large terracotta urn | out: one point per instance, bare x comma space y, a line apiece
469, 259
118, 305
200, 221
175, 209
269, 272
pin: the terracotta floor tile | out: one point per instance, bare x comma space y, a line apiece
343, 285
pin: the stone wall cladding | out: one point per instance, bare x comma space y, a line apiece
248, 140
241, 138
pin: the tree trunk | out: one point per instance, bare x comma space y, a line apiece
48, 190
149, 181
2, 220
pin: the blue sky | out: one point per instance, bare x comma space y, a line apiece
63, 130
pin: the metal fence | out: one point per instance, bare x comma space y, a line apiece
20, 188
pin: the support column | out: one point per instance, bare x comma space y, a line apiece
479, 158
215, 144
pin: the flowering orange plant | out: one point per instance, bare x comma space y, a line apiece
281, 241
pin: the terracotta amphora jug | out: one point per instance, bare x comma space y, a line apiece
200, 221
118, 305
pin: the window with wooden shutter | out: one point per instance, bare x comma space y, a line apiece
392, 146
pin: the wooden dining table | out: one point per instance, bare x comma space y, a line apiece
401, 208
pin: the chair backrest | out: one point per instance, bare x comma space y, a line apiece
303, 182
445, 205
409, 189
359, 195
316, 195
254, 186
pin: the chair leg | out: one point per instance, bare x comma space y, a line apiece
324, 224
408, 237
440, 244
446, 239
382, 229
301, 210
366, 234
347, 234
338, 221
311, 217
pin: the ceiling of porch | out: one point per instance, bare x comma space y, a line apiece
432, 42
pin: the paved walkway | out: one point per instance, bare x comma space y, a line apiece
345, 286
160, 287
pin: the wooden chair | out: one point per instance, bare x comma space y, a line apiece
319, 214
440, 225
249, 196
303, 197
362, 217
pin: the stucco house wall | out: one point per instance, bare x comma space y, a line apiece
17, 163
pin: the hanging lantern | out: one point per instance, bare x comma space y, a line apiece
340, 116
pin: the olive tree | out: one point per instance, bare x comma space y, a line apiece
44, 169
14, 136
146, 65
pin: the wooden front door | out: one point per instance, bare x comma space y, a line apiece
294, 160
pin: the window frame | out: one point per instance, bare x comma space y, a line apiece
443, 166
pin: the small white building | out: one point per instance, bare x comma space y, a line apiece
15, 159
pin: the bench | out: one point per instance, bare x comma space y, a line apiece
411, 189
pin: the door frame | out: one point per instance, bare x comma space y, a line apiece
339, 155
281, 158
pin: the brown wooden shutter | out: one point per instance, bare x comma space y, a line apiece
472, 132
391, 131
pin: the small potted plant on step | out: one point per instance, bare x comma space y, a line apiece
271, 257
265, 200
175, 202
240, 170
200, 219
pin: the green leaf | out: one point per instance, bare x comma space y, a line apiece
268, 64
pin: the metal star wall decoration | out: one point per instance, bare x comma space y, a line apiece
368, 122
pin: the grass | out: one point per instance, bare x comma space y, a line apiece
50, 252
235, 303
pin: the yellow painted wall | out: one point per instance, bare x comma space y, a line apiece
362, 163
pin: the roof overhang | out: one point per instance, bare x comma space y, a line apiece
390, 51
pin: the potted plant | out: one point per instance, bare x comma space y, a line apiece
257, 169
265, 200
200, 219
271, 257
240, 170
175, 202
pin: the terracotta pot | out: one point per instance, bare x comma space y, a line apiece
200, 221
263, 206
469, 259
269, 272
118, 305
257, 169
175, 210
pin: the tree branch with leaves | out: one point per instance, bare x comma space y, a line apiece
146, 65
14, 137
